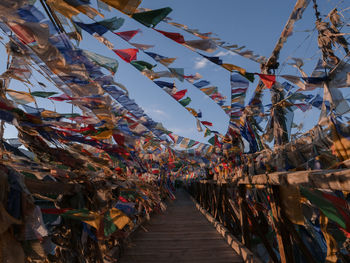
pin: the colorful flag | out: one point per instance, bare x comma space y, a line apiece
128, 54
152, 18
180, 94
105, 62
43, 94
20, 97
185, 102
126, 6
174, 36
207, 123
268, 80
127, 35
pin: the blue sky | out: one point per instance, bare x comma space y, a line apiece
253, 23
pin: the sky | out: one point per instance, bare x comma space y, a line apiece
255, 24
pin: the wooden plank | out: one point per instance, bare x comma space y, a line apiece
240, 249
181, 234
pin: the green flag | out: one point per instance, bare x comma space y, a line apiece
178, 73
105, 62
212, 140
43, 94
191, 143
152, 18
207, 132
249, 76
185, 102
142, 65
327, 208
113, 23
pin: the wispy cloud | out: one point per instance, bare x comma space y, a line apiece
183, 131
157, 113
225, 53
200, 63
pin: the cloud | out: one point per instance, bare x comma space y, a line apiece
200, 63
183, 131
157, 113
225, 53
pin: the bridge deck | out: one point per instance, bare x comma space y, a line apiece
182, 235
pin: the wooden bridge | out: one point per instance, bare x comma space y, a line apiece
182, 234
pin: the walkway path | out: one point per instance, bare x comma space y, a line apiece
180, 235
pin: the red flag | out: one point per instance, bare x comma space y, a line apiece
217, 143
206, 123
127, 35
268, 80
23, 33
128, 54
119, 138
62, 97
180, 94
174, 36
172, 137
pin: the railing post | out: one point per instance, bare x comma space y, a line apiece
283, 237
243, 217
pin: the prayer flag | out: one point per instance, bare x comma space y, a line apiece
128, 54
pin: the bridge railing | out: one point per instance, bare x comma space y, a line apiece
281, 217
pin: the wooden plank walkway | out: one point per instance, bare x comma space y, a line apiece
182, 235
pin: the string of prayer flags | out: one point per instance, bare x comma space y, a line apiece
128, 54
233, 48
152, 18
239, 86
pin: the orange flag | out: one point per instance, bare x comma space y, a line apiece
268, 80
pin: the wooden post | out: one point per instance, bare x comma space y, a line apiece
283, 238
242, 217
257, 230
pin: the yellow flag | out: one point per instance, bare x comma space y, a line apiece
69, 11
103, 135
166, 61
341, 145
20, 97
231, 67
126, 6
291, 202
119, 218
50, 114
63, 8
192, 111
